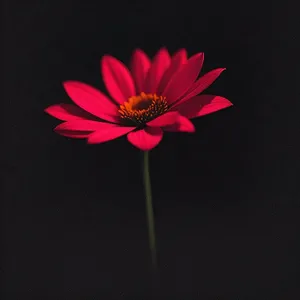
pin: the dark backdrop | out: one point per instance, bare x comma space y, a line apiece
226, 203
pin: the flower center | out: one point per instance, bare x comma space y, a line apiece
143, 108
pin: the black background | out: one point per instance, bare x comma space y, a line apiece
226, 198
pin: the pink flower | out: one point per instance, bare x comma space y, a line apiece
150, 98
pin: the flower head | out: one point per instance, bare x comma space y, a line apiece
149, 98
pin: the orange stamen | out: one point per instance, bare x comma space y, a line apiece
143, 108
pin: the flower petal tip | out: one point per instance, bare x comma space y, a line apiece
145, 139
200, 54
46, 110
67, 83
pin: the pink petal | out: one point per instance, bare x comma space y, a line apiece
202, 105
74, 134
83, 125
117, 79
140, 64
160, 64
166, 119
184, 78
201, 84
91, 100
108, 134
177, 61
67, 112
183, 124
145, 139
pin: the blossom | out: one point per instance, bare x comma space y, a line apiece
146, 99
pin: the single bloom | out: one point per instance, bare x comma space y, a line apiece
150, 97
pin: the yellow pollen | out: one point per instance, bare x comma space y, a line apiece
143, 108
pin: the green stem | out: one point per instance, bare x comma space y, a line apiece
149, 208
